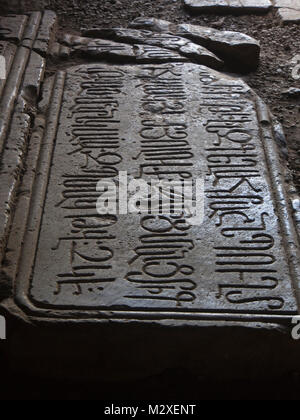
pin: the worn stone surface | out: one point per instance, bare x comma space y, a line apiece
19, 93
222, 291
229, 6
289, 10
8, 51
59, 51
140, 279
193, 51
153, 24
12, 27
46, 33
289, 15
32, 29
294, 92
240, 51
103, 49
235, 263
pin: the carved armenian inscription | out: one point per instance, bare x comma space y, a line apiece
172, 122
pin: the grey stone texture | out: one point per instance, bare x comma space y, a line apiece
24, 35
78, 287
12, 27
46, 33
239, 51
229, 6
188, 49
234, 262
20, 90
143, 51
288, 10
294, 92
101, 49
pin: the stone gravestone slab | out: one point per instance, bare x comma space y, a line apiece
177, 121
221, 289
288, 10
240, 267
229, 6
